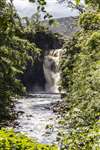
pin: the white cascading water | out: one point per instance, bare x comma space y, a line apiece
51, 71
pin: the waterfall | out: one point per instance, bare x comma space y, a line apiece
35, 111
51, 71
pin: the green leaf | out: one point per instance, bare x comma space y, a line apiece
77, 2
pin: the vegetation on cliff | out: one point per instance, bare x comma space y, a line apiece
15, 52
80, 66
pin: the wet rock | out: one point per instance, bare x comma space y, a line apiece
16, 124
20, 112
29, 116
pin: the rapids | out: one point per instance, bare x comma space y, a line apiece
36, 117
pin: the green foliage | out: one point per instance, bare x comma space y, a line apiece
16, 141
41, 2
84, 139
90, 21
41, 8
81, 80
15, 52
95, 3
77, 1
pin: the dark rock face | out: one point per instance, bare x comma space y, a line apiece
47, 40
33, 75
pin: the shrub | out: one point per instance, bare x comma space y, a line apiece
81, 69
16, 141
90, 21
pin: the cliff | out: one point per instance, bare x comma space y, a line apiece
66, 26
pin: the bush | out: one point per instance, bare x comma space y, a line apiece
16, 141
15, 52
90, 21
81, 69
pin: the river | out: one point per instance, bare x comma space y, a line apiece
36, 117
